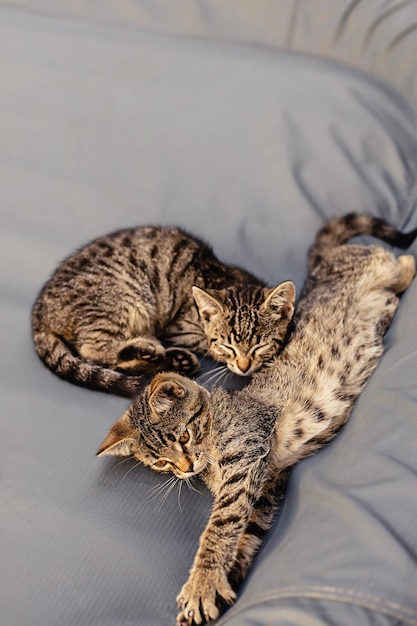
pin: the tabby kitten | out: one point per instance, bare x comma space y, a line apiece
242, 443
101, 319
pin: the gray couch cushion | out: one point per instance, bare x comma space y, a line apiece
378, 37
102, 127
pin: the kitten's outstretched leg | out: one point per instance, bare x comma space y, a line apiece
219, 543
260, 522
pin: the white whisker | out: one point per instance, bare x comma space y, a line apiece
128, 458
217, 379
224, 376
210, 460
132, 468
190, 485
156, 489
168, 491
163, 490
228, 377
210, 373
215, 376
179, 494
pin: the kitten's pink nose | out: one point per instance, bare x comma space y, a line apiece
185, 465
243, 363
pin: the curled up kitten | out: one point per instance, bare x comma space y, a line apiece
242, 443
104, 317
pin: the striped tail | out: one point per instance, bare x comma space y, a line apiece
339, 230
61, 360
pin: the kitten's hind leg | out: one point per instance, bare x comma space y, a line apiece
140, 354
407, 272
143, 354
148, 354
181, 361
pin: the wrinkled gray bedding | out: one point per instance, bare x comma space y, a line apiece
105, 124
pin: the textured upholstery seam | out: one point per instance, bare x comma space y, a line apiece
335, 594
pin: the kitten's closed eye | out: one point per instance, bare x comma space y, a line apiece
266, 348
225, 350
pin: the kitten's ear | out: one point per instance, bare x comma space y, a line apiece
280, 300
207, 304
163, 393
121, 440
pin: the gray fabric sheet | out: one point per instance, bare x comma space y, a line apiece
378, 36
104, 126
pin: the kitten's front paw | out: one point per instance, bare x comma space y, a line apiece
197, 599
181, 361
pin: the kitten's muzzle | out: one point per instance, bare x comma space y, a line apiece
187, 468
242, 367
244, 364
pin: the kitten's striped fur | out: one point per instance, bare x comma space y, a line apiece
100, 319
242, 443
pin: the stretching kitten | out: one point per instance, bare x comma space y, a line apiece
243, 442
98, 321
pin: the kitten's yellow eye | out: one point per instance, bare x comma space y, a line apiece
160, 463
184, 437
